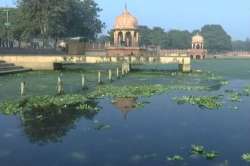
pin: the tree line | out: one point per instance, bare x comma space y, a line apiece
51, 19
216, 38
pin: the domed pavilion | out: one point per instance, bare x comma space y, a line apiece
126, 36
197, 51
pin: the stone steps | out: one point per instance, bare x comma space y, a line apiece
14, 71
10, 68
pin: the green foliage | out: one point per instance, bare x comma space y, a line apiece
157, 36
247, 91
10, 107
246, 157
211, 155
235, 96
43, 103
197, 149
134, 91
240, 45
54, 19
208, 102
216, 39
200, 150
175, 158
179, 39
128, 91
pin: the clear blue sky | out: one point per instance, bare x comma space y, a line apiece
233, 15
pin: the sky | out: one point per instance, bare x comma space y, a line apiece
233, 15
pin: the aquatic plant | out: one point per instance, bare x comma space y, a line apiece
10, 107
208, 102
197, 149
211, 155
102, 126
128, 91
200, 150
247, 91
246, 157
36, 103
134, 91
235, 96
175, 158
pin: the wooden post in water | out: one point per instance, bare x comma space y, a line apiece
110, 75
122, 70
22, 88
117, 73
83, 82
99, 77
60, 90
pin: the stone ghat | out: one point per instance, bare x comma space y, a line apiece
10, 68
49, 62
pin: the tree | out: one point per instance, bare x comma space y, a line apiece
179, 39
216, 39
240, 45
53, 19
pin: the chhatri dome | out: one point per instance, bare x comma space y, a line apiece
126, 21
197, 38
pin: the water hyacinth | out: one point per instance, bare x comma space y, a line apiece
208, 102
235, 96
40, 103
128, 91
247, 90
175, 158
246, 157
197, 149
211, 155
200, 150
134, 91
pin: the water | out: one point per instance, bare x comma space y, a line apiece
142, 136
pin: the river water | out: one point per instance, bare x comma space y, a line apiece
130, 136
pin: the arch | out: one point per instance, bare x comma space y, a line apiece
198, 57
128, 39
120, 38
198, 46
192, 57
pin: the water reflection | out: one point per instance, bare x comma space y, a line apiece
51, 125
125, 105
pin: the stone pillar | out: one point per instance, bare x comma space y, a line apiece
124, 36
133, 38
137, 39
115, 38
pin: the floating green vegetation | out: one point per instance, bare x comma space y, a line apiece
128, 91
134, 91
246, 157
175, 158
233, 95
41, 103
208, 102
247, 91
211, 155
200, 150
197, 149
